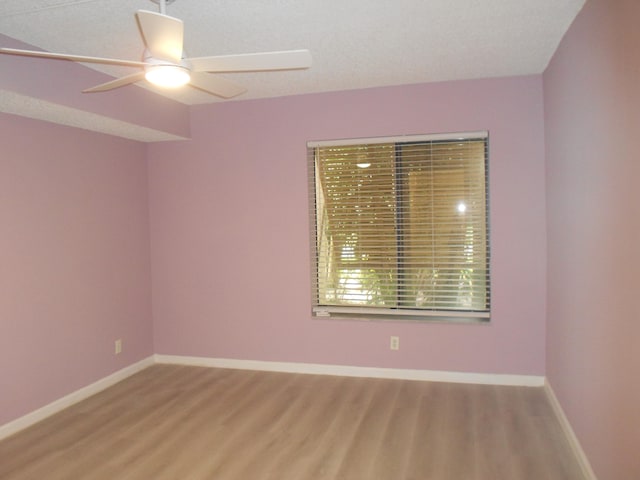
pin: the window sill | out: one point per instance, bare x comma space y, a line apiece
390, 314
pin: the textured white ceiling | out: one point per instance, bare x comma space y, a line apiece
354, 43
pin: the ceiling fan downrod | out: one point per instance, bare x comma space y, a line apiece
163, 5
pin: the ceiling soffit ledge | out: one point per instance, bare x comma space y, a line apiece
55, 88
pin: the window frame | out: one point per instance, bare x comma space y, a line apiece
396, 313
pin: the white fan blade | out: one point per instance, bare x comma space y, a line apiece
118, 82
215, 85
253, 62
163, 35
73, 58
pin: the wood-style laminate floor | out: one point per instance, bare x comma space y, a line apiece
174, 422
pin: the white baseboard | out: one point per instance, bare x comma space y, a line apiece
587, 471
72, 398
349, 371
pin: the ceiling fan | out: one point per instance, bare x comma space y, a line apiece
164, 62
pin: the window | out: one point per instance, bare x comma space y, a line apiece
400, 227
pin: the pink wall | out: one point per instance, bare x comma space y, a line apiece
592, 118
230, 229
74, 260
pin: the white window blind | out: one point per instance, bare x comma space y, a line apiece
400, 226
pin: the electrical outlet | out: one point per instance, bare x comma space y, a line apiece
118, 346
394, 343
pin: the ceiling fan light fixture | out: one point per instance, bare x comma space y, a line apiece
167, 76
